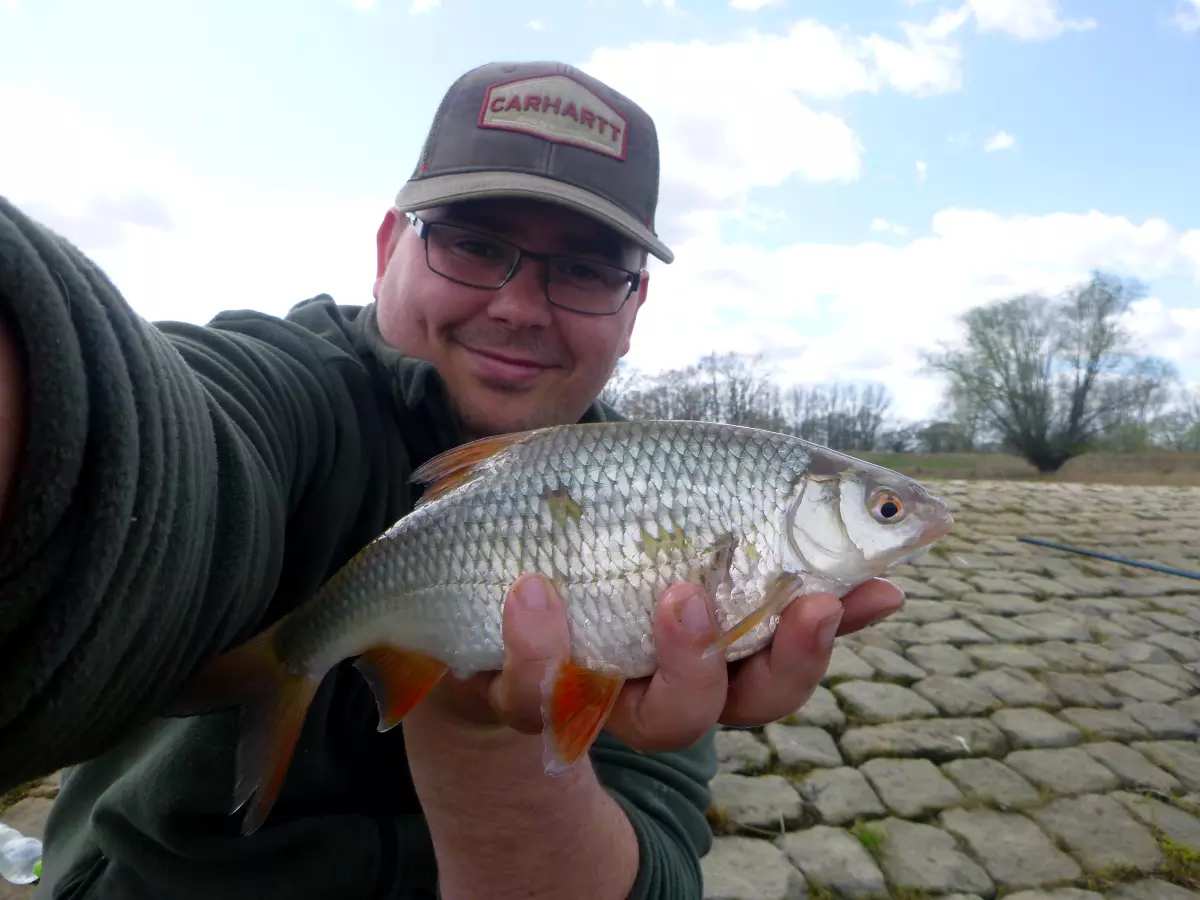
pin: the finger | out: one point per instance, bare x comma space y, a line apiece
868, 603
535, 635
681, 702
776, 681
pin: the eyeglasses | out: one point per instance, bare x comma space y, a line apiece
483, 261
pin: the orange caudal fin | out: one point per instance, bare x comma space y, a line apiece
576, 702
448, 470
779, 594
274, 704
400, 679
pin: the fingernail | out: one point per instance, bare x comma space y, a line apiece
694, 614
827, 630
893, 607
532, 594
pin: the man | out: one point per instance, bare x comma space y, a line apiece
170, 490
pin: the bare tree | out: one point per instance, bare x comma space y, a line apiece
739, 389
621, 384
1179, 428
1033, 367
841, 416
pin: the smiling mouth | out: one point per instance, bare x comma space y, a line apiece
511, 360
504, 371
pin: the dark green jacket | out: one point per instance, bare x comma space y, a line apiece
180, 488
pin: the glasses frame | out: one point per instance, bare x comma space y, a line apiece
422, 227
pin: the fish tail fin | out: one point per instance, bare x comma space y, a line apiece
576, 702
274, 703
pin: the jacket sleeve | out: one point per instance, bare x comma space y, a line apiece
151, 453
666, 797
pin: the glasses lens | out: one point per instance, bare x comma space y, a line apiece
587, 286
469, 256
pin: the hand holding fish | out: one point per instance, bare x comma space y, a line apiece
688, 693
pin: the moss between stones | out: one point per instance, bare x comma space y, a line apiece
20, 792
871, 839
1181, 867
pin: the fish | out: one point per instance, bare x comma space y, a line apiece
612, 513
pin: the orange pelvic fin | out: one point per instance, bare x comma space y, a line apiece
448, 470
400, 679
576, 702
274, 704
779, 594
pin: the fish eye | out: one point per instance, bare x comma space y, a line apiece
887, 507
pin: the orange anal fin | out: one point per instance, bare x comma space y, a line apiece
400, 679
779, 594
576, 702
448, 470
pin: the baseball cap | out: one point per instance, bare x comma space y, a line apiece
547, 131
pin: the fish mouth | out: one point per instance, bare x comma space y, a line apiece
934, 531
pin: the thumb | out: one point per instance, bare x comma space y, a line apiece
535, 636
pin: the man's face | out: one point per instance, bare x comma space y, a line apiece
510, 359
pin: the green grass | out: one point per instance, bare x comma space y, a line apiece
1150, 468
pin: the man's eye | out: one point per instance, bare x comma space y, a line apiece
582, 271
482, 249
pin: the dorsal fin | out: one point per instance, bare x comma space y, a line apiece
448, 470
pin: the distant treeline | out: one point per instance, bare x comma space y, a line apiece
1047, 379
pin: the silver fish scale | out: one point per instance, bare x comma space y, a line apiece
613, 515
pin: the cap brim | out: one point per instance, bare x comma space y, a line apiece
438, 189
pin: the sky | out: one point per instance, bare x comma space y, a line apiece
841, 178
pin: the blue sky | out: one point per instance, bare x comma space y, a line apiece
791, 139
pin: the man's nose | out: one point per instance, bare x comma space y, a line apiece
522, 301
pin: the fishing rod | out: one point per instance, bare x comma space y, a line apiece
1182, 573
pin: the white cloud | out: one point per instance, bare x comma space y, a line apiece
1027, 20
9, 5
865, 311
1186, 18
1001, 140
884, 225
922, 170
1167, 331
752, 5
422, 6
732, 116
361, 5
535, 25
176, 246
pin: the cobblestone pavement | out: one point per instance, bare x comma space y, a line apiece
1025, 727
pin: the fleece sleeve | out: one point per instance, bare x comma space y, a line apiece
160, 470
666, 797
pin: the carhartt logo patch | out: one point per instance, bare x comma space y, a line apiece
556, 108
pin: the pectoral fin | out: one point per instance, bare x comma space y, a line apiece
576, 702
779, 594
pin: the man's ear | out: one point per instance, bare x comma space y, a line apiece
385, 244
